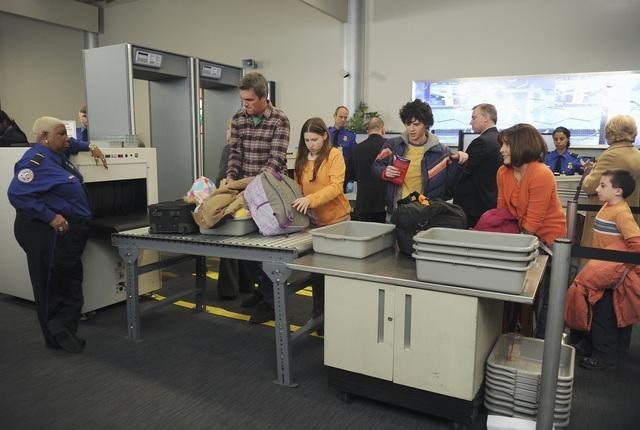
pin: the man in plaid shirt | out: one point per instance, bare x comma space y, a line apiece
259, 141
259, 132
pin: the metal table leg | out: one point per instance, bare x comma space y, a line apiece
553, 332
201, 282
279, 273
129, 254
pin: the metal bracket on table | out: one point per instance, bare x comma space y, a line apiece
129, 254
279, 273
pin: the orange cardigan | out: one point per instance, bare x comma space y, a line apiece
325, 193
533, 201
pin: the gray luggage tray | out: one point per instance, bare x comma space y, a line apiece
447, 240
355, 239
232, 227
492, 277
476, 257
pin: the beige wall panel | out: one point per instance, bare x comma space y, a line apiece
40, 70
440, 39
294, 45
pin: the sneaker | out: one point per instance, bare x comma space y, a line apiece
252, 300
591, 363
262, 313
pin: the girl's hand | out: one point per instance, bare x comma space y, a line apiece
301, 204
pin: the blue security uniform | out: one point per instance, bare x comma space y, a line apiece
82, 134
566, 164
344, 139
46, 183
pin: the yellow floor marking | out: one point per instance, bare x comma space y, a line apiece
306, 291
214, 310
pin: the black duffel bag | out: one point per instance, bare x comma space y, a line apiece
411, 216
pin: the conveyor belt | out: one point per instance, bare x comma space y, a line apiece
299, 242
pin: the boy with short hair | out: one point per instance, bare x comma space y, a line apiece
613, 222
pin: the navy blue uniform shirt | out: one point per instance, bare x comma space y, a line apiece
344, 139
569, 162
42, 187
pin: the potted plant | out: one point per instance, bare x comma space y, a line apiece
358, 121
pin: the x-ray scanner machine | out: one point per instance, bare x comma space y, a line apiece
119, 197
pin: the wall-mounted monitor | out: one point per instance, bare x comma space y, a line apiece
580, 102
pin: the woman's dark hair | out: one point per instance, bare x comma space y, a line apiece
564, 131
525, 144
312, 125
417, 110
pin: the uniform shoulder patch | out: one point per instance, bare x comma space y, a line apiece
25, 175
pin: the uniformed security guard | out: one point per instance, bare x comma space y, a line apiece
52, 226
561, 161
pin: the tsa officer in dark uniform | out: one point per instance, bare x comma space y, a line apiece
561, 161
52, 226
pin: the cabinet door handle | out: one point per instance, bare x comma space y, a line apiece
407, 321
381, 315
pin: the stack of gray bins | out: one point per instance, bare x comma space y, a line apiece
474, 259
513, 379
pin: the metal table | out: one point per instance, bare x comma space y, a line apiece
391, 268
273, 252
388, 268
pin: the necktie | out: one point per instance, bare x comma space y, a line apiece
558, 166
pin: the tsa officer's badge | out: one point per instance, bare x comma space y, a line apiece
25, 175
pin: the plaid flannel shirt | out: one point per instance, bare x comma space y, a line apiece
254, 149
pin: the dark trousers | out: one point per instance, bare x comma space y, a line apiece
607, 339
234, 277
372, 217
55, 269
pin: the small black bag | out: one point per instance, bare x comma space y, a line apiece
411, 216
172, 217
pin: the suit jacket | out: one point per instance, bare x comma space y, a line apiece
371, 189
476, 191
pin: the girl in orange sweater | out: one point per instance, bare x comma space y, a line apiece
320, 172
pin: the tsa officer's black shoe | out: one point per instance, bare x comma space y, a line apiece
64, 338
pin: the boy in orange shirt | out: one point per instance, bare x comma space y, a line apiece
613, 222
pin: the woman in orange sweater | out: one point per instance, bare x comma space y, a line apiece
320, 172
527, 188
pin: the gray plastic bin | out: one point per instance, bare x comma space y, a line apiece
354, 239
448, 240
492, 277
232, 227
479, 257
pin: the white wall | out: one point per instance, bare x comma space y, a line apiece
40, 70
294, 44
439, 39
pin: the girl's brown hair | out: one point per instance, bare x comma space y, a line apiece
312, 125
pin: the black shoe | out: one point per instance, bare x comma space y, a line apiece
262, 313
226, 298
253, 300
591, 363
582, 348
64, 338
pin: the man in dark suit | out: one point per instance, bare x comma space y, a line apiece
477, 191
370, 200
